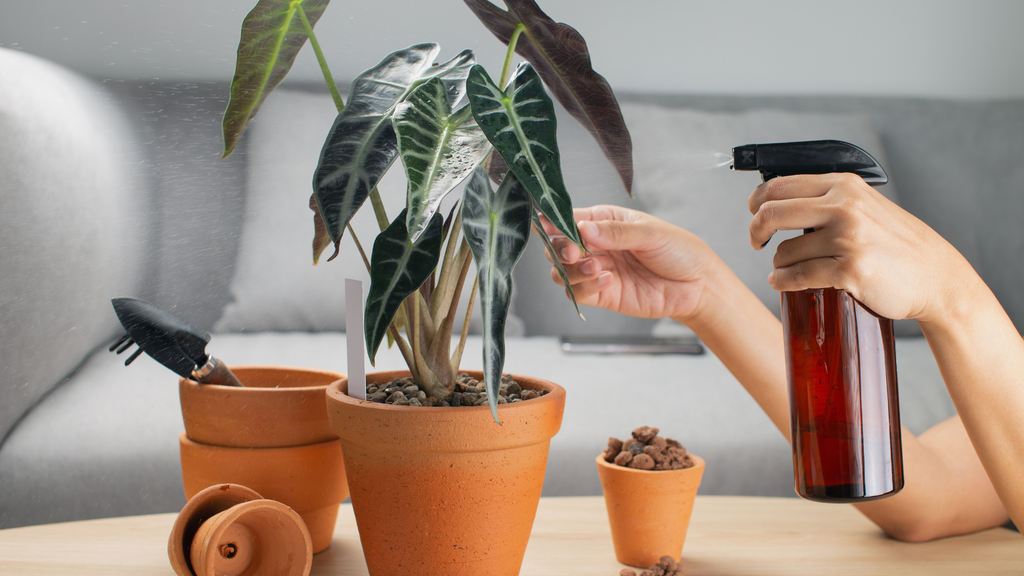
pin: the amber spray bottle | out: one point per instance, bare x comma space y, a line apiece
840, 356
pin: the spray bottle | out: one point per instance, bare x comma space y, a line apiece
840, 356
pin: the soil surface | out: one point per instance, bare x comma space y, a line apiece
468, 391
647, 451
666, 567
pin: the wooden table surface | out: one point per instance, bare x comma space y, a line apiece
727, 536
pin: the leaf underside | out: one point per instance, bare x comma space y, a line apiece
398, 267
561, 57
557, 263
497, 227
437, 152
520, 123
362, 144
272, 35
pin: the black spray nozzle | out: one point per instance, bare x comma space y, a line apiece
811, 157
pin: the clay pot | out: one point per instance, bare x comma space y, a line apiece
271, 435
445, 491
649, 510
231, 530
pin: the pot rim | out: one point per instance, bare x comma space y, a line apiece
334, 392
259, 389
698, 464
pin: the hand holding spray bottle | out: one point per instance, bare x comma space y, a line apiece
840, 356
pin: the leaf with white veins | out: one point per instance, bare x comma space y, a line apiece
438, 149
497, 227
398, 267
362, 144
520, 123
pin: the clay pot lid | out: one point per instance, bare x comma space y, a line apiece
219, 498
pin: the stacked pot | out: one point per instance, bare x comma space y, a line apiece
273, 436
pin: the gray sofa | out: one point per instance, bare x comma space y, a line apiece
115, 189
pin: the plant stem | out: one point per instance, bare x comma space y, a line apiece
338, 102
506, 69
378, 209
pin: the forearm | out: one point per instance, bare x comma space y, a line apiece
747, 338
981, 357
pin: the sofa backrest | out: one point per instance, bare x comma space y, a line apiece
74, 225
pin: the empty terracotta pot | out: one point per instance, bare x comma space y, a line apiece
279, 406
271, 435
649, 510
445, 491
230, 530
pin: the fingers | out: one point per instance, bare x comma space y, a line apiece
808, 274
792, 214
798, 186
800, 202
586, 285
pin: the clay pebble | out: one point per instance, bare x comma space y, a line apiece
645, 450
467, 391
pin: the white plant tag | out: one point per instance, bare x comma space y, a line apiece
354, 338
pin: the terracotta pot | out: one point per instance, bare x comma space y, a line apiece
649, 510
278, 406
231, 530
445, 491
273, 436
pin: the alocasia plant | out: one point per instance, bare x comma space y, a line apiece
412, 108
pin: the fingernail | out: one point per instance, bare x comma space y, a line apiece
590, 227
604, 279
771, 276
564, 253
587, 267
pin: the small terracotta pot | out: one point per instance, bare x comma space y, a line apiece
271, 435
445, 491
278, 406
649, 510
231, 530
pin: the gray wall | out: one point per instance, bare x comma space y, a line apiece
926, 48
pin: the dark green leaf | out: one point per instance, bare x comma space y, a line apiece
497, 227
520, 123
362, 143
438, 150
561, 57
272, 35
554, 258
398, 267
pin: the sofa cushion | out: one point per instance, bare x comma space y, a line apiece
276, 286
74, 225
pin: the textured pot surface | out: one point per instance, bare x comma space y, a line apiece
445, 491
309, 479
649, 510
278, 406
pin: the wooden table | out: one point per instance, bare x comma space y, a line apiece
727, 536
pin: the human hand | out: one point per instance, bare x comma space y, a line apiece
862, 242
639, 265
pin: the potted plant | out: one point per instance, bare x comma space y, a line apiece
408, 107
